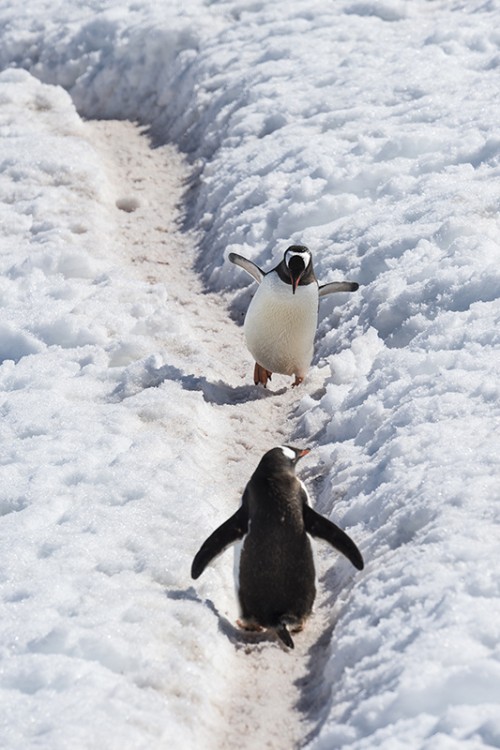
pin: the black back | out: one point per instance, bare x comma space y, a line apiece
277, 577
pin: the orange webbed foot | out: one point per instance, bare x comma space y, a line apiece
250, 625
261, 375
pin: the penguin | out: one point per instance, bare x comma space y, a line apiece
282, 317
276, 587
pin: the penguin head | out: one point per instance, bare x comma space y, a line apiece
293, 454
298, 263
282, 459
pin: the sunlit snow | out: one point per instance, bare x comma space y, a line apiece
368, 131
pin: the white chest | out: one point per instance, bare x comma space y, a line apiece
280, 326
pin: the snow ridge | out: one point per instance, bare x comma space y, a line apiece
365, 131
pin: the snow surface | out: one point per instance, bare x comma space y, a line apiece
365, 130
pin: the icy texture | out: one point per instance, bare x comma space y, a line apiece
367, 131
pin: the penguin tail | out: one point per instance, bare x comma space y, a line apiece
284, 635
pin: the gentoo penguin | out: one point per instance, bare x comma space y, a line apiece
276, 586
282, 317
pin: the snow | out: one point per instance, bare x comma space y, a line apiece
130, 425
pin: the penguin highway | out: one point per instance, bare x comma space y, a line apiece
282, 317
276, 586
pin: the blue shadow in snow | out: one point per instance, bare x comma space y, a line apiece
219, 393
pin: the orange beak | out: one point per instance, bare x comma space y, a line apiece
295, 281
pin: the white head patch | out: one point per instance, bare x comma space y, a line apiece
288, 452
305, 255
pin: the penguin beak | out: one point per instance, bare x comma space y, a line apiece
295, 281
303, 453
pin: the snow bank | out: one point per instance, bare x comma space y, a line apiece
367, 132
92, 651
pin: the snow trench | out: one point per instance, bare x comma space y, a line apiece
367, 132
271, 698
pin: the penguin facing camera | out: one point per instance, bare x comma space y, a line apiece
276, 586
282, 317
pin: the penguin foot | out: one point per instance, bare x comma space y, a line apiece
298, 380
250, 625
298, 627
261, 375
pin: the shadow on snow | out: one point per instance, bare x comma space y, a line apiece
219, 393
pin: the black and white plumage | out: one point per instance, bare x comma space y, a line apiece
282, 317
276, 586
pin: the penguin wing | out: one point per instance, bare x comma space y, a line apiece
337, 286
230, 531
321, 527
247, 265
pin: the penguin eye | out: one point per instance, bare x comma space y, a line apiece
288, 452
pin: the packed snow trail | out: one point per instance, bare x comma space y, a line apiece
272, 698
367, 132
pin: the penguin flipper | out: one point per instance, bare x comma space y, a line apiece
247, 265
322, 528
230, 531
337, 286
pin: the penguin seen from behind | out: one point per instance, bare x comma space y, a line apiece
276, 587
